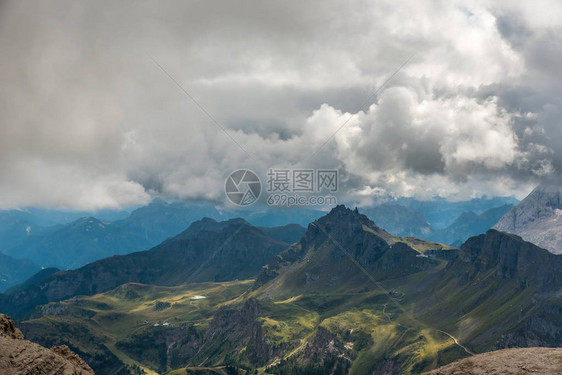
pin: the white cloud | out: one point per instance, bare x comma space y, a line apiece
88, 121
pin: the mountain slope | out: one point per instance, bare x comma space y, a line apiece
537, 218
499, 292
326, 257
216, 252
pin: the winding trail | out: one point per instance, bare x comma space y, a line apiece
385, 314
456, 342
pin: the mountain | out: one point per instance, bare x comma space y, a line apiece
320, 262
14, 226
14, 271
206, 251
88, 239
499, 292
160, 219
537, 218
468, 224
545, 361
78, 243
348, 297
19, 356
399, 220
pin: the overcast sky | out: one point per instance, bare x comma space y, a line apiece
88, 120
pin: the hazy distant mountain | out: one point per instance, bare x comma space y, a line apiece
160, 220
468, 224
88, 239
399, 220
537, 218
402, 221
213, 252
441, 213
276, 217
15, 226
14, 271
71, 245
78, 243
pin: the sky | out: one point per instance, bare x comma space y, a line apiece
107, 105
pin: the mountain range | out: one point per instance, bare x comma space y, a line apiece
348, 297
406, 222
71, 245
67, 240
441, 212
468, 224
207, 251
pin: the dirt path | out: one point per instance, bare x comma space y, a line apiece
384, 312
456, 342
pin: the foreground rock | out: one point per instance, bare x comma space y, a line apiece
19, 356
544, 361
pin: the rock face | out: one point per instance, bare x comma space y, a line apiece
239, 329
19, 356
543, 361
537, 218
511, 258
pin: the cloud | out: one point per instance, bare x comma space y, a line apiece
88, 121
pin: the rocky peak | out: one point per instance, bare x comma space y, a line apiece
341, 213
542, 202
342, 223
8, 329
